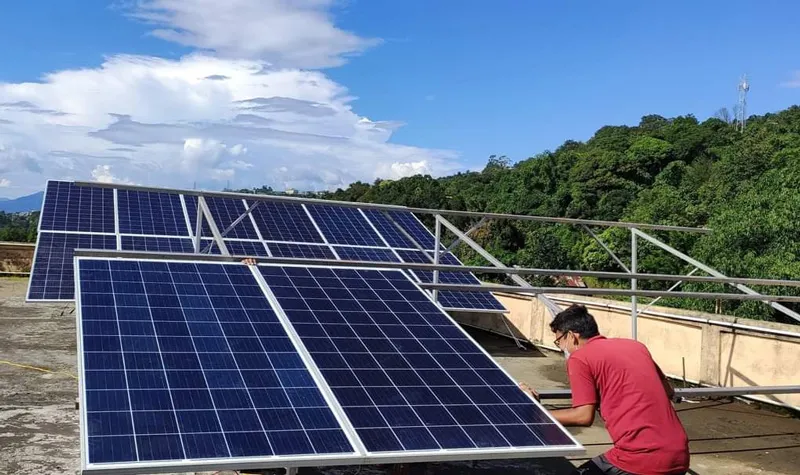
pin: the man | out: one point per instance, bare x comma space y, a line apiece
633, 395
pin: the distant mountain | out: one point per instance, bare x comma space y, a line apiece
23, 203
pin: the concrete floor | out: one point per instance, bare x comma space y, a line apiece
39, 423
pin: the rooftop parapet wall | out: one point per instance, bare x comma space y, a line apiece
703, 348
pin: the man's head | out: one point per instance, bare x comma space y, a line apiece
573, 327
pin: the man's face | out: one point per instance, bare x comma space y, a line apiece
566, 341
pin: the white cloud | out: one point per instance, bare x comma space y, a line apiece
239, 111
293, 33
237, 150
5, 182
102, 173
400, 170
163, 124
794, 82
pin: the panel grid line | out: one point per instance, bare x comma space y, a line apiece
479, 376
308, 360
124, 367
236, 363
205, 378
160, 357
374, 404
386, 373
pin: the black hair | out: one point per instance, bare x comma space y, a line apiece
577, 320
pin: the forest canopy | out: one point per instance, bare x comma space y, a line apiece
678, 171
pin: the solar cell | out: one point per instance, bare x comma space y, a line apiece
408, 378
300, 251
156, 244
68, 207
52, 276
415, 228
393, 236
185, 361
454, 300
238, 248
285, 222
344, 226
353, 253
143, 212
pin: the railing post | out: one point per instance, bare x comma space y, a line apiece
436, 256
634, 299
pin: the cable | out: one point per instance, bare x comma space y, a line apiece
36, 368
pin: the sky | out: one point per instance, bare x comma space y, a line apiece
315, 94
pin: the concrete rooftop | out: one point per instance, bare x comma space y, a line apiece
39, 423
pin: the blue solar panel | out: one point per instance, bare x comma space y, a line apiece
142, 212
448, 298
188, 361
238, 248
388, 229
157, 244
371, 254
68, 207
344, 226
300, 251
408, 378
53, 275
285, 222
225, 211
415, 228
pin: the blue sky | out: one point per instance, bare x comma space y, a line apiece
365, 88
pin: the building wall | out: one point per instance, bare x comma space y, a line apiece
700, 351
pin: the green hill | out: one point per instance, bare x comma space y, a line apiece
744, 186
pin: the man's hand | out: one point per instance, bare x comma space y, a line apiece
249, 262
529, 390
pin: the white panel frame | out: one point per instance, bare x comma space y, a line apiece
360, 457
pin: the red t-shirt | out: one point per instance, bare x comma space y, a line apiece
622, 377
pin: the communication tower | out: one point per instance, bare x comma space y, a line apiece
741, 106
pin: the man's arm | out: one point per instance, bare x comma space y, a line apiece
667, 385
581, 416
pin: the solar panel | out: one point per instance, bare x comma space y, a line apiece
453, 300
408, 378
52, 276
288, 230
300, 251
372, 254
285, 222
238, 248
187, 364
144, 212
415, 228
393, 236
157, 244
344, 226
68, 207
